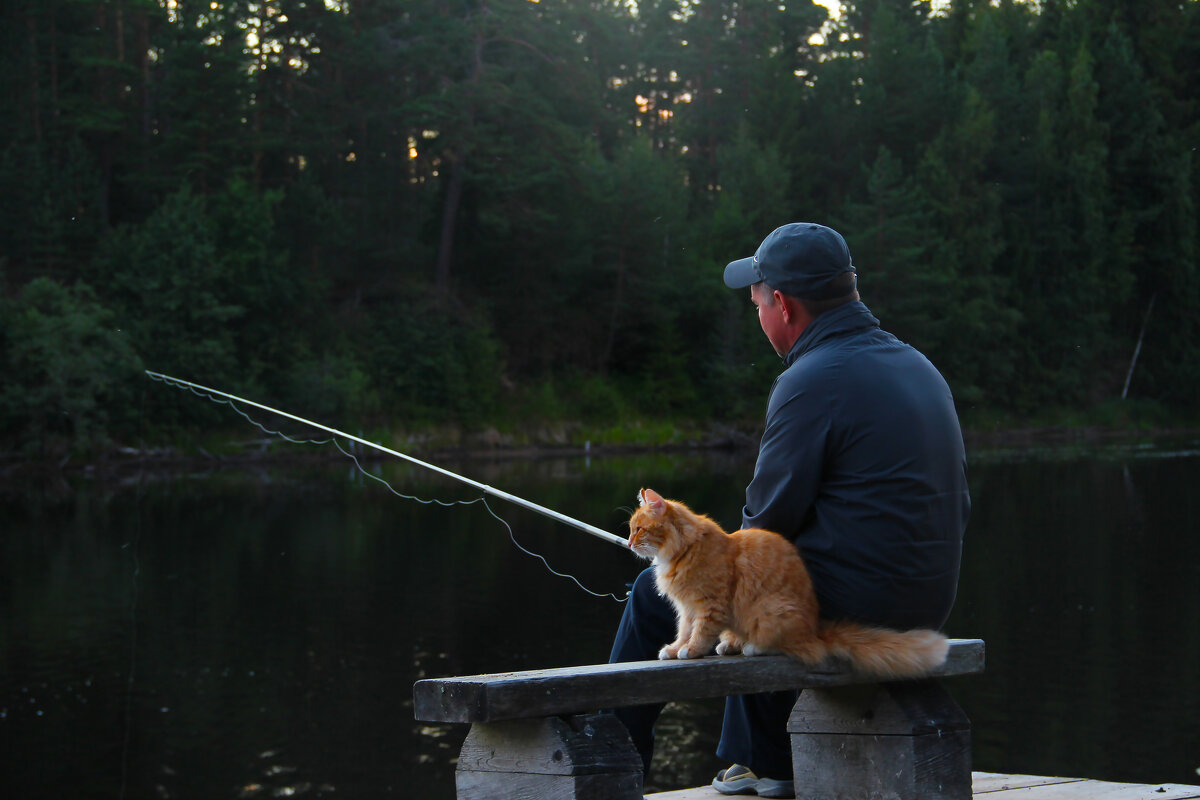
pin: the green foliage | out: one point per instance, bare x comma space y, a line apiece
48, 208
598, 400
70, 370
462, 214
891, 236
538, 403
173, 290
200, 286
431, 363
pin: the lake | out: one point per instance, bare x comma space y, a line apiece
255, 631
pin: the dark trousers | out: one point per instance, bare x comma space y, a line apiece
754, 732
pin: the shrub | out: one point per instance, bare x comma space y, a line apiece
70, 372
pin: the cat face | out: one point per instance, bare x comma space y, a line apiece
647, 530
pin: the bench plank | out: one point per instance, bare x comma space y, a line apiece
565, 690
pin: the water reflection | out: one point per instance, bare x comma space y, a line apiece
256, 632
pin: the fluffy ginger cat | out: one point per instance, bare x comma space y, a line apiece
751, 590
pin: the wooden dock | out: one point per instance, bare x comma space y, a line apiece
992, 786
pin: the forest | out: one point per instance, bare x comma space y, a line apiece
392, 215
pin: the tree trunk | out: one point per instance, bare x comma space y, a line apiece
618, 301
35, 91
450, 206
143, 39
458, 175
1138, 349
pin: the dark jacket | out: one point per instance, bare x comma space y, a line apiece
862, 465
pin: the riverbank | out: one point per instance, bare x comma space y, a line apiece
547, 440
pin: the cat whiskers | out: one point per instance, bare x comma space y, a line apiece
645, 550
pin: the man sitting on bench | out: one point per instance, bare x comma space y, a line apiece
861, 464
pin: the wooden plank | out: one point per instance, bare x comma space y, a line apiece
522, 786
985, 782
698, 793
1098, 790
539, 693
1017, 787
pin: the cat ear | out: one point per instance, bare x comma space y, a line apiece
653, 499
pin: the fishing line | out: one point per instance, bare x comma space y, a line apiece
512, 536
222, 398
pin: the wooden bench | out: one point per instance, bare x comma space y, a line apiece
536, 734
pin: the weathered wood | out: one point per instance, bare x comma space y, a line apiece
986, 782
484, 786
520, 749
902, 708
1100, 790
992, 786
696, 793
893, 741
586, 757
579, 745
535, 693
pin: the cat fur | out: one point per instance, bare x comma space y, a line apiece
749, 591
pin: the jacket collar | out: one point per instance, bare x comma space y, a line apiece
836, 322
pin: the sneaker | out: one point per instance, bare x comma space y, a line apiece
741, 780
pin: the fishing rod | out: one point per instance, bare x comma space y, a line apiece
546, 512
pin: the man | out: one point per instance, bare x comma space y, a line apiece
861, 464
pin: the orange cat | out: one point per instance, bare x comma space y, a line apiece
751, 590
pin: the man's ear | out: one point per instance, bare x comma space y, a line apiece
782, 301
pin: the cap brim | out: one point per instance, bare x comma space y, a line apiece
742, 273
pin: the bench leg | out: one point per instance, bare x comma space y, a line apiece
584, 757
907, 740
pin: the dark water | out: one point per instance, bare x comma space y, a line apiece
256, 632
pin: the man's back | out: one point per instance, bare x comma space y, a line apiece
862, 464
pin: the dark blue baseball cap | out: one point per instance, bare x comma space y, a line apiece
799, 259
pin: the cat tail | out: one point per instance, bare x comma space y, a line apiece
885, 653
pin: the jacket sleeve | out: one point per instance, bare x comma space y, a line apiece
791, 456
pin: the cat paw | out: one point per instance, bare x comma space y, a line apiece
729, 645
683, 653
666, 654
751, 650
